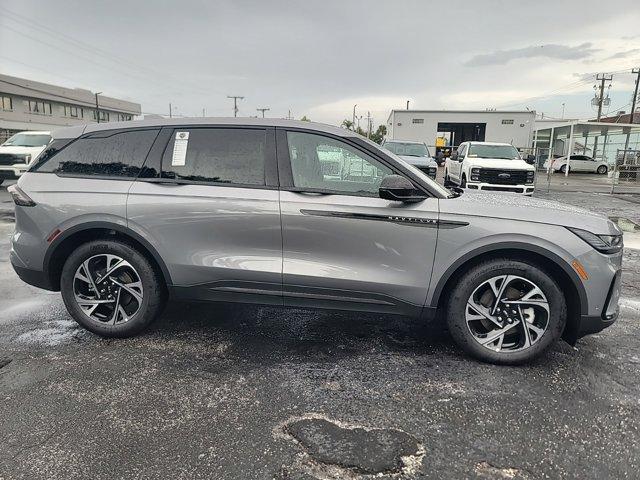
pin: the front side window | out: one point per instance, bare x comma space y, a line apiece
216, 155
118, 155
321, 163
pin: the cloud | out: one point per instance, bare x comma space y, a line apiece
626, 54
553, 51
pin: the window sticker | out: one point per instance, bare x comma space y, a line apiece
180, 149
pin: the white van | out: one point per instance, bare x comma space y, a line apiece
17, 153
489, 166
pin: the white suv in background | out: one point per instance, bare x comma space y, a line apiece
490, 166
17, 153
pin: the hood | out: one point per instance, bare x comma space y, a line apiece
419, 161
33, 151
520, 207
498, 163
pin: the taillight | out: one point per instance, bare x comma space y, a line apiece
19, 197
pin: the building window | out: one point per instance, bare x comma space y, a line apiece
417, 120
507, 122
6, 103
42, 108
104, 116
124, 117
70, 111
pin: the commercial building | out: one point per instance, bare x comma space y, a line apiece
29, 105
451, 127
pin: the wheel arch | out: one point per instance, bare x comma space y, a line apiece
67, 241
554, 265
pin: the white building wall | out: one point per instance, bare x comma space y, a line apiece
400, 125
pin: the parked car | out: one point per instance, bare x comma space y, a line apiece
490, 166
414, 153
578, 163
18, 151
119, 217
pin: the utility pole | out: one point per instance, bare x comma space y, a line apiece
635, 95
170, 110
263, 110
235, 103
97, 108
369, 125
603, 78
407, 104
562, 118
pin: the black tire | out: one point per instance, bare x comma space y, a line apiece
602, 169
1, 181
563, 169
447, 181
468, 283
463, 183
154, 297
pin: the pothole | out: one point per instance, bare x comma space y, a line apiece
335, 450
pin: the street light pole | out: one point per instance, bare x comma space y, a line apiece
97, 107
353, 124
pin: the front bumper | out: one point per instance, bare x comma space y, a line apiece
596, 323
492, 187
13, 171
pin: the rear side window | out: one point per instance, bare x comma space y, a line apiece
216, 155
117, 155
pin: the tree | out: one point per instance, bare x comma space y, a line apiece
305, 119
348, 124
379, 134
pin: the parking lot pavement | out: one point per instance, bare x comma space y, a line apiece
227, 392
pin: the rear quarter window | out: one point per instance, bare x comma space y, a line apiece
120, 154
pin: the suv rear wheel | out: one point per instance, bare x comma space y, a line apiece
111, 289
506, 311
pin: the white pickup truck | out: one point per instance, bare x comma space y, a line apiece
489, 166
17, 153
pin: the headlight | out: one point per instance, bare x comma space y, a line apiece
475, 170
602, 243
531, 176
475, 174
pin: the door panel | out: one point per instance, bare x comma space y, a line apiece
227, 239
353, 250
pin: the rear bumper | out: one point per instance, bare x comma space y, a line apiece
37, 278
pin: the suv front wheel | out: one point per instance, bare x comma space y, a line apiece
111, 289
506, 311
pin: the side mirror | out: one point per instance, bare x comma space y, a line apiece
454, 156
531, 159
399, 189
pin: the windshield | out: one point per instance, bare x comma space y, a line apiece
503, 152
409, 149
25, 140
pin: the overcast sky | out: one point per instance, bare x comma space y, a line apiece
318, 58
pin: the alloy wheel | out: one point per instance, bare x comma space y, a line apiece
108, 289
507, 313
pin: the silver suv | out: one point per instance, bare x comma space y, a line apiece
119, 217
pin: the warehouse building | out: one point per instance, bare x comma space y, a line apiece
449, 128
29, 105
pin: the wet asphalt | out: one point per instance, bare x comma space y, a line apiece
218, 391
